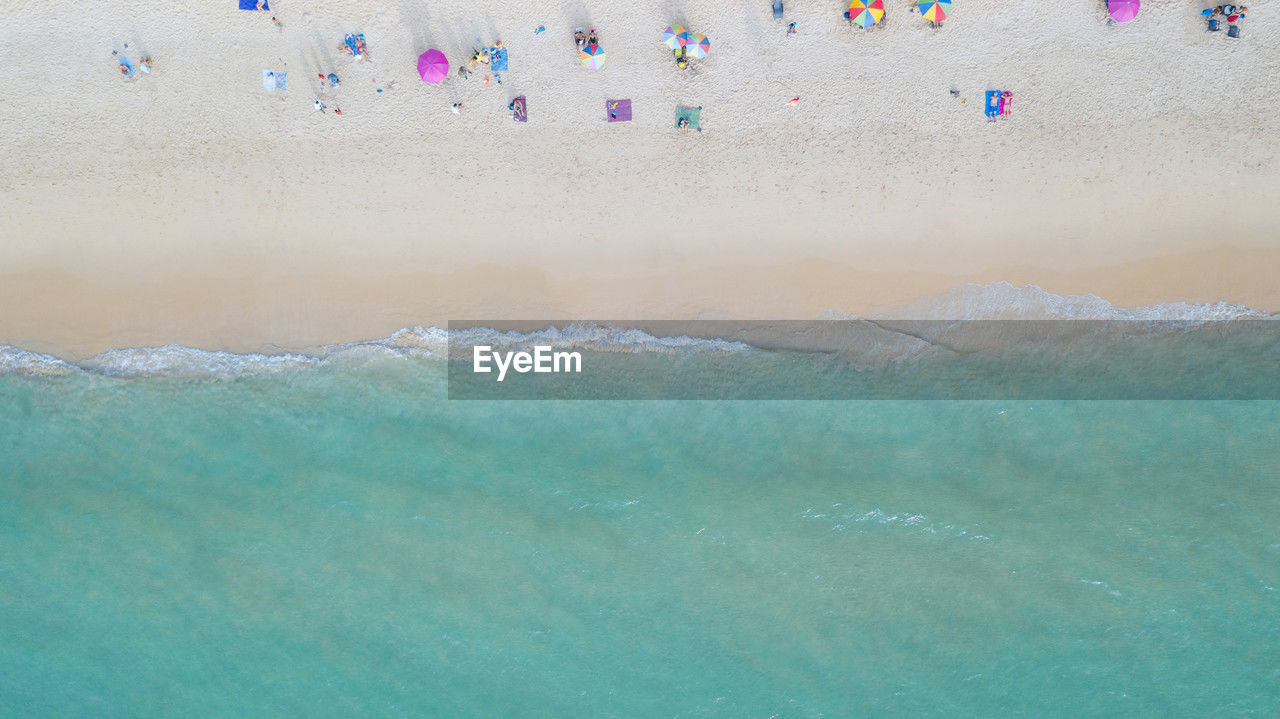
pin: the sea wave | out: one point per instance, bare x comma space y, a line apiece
1004, 301
876, 342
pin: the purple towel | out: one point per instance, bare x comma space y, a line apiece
521, 109
617, 110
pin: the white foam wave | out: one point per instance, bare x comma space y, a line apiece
998, 300
24, 362
1004, 301
417, 342
188, 362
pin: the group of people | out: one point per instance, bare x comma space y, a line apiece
353, 45
1230, 13
481, 56
126, 67
586, 42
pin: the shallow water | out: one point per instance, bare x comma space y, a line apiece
342, 540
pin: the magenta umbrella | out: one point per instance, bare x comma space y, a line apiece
1123, 10
433, 66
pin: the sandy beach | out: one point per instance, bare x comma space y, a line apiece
191, 206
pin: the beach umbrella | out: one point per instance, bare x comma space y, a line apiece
934, 10
676, 37
593, 58
1123, 10
433, 66
865, 13
698, 46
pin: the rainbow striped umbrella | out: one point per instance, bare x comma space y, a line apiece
865, 13
593, 59
934, 10
698, 46
676, 37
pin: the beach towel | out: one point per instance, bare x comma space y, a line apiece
617, 110
253, 5
273, 80
520, 109
498, 59
777, 9
995, 104
1233, 31
693, 115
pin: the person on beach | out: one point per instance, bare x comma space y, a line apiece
456, 108
320, 106
279, 25
791, 29
682, 60
593, 42
145, 64
579, 38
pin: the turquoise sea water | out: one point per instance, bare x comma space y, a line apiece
344, 541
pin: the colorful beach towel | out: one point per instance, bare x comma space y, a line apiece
617, 110
498, 59
689, 118
253, 5
273, 80
520, 109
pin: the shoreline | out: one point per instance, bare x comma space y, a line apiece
57, 313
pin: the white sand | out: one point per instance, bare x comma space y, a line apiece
186, 198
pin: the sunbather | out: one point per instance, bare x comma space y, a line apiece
579, 38
593, 42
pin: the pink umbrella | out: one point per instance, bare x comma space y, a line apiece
1123, 10
433, 66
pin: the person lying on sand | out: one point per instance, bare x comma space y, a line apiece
579, 39
592, 41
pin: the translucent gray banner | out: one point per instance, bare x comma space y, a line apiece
865, 359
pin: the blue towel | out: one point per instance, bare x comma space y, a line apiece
993, 103
252, 5
498, 60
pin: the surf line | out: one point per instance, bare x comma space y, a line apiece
541, 360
